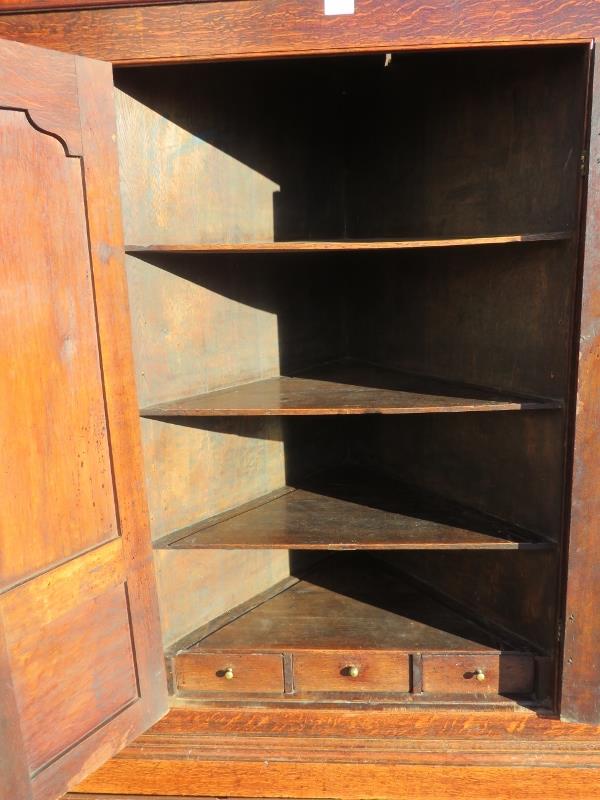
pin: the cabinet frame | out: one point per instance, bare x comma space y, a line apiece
114, 35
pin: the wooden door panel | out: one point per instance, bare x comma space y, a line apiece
81, 666
53, 430
53, 637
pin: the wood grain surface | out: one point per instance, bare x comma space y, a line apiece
81, 660
352, 509
49, 5
252, 672
352, 245
503, 674
581, 662
466, 754
346, 387
272, 27
348, 603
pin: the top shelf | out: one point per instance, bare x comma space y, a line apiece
345, 244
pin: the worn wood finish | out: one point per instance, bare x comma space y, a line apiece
508, 325
251, 672
51, 104
262, 166
346, 387
77, 605
330, 672
14, 773
497, 750
195, 587
581, 652
271, 179
344, 603
465, 181
70, 463
98, 126
352, 245
513, 590
504, 674
212, 30
351, 509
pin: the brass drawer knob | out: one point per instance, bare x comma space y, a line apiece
353, 671
479, 675
228, 674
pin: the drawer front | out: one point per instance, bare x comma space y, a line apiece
474, 674
230, 673
353, 671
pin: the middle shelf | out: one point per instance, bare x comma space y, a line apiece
346, 387
353, 509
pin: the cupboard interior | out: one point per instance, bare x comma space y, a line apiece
352, 293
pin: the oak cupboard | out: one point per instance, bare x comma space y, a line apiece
301, 417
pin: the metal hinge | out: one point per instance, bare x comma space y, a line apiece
583, 163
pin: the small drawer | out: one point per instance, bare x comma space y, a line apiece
354, 671
478, 674
231, 673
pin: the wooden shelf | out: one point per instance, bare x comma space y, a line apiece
345, 388
345, 244
348, 603
353, 510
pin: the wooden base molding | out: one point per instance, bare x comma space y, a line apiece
388, 755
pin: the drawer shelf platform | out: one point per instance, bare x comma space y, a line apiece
346, 387
353, 509
345, 244
349, 626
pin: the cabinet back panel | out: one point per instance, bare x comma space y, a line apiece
197, 586
207, 323
446, 144
490, 316
471, 143
516, 591
230, 152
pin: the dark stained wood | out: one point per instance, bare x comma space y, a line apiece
77, 598
515, 591
344, 388
268, 177
380, 244
342, 615
352, 510
580, 699
278, 27
464, 181
503, 674
330, 672
343, 605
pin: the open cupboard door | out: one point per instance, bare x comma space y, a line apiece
81, 667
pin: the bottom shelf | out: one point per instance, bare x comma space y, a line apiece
350, 630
